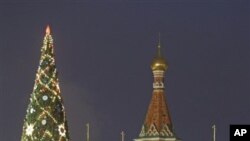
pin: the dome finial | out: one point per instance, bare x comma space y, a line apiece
159, 45
47, 30
159, 63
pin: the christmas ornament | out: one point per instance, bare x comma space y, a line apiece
45, 97
44, 122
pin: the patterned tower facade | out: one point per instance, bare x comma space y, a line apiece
158, 125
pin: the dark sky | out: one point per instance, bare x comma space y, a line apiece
103, 54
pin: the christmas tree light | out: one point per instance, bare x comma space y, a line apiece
45, 119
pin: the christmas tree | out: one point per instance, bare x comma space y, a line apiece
45, 119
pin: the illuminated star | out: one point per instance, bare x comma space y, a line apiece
62, 130
29, 130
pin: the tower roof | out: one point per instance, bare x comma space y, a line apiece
158, 121
157, 124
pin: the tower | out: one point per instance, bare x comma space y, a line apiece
158, 125
45, 119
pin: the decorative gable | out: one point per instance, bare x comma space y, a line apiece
166, 132
152, 131
143, 133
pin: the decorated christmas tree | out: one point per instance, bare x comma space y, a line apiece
45, 119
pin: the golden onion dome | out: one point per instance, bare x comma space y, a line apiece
159, 63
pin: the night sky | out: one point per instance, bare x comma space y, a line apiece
103, 54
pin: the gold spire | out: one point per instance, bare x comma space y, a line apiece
159, 45
159, 63
47, 30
